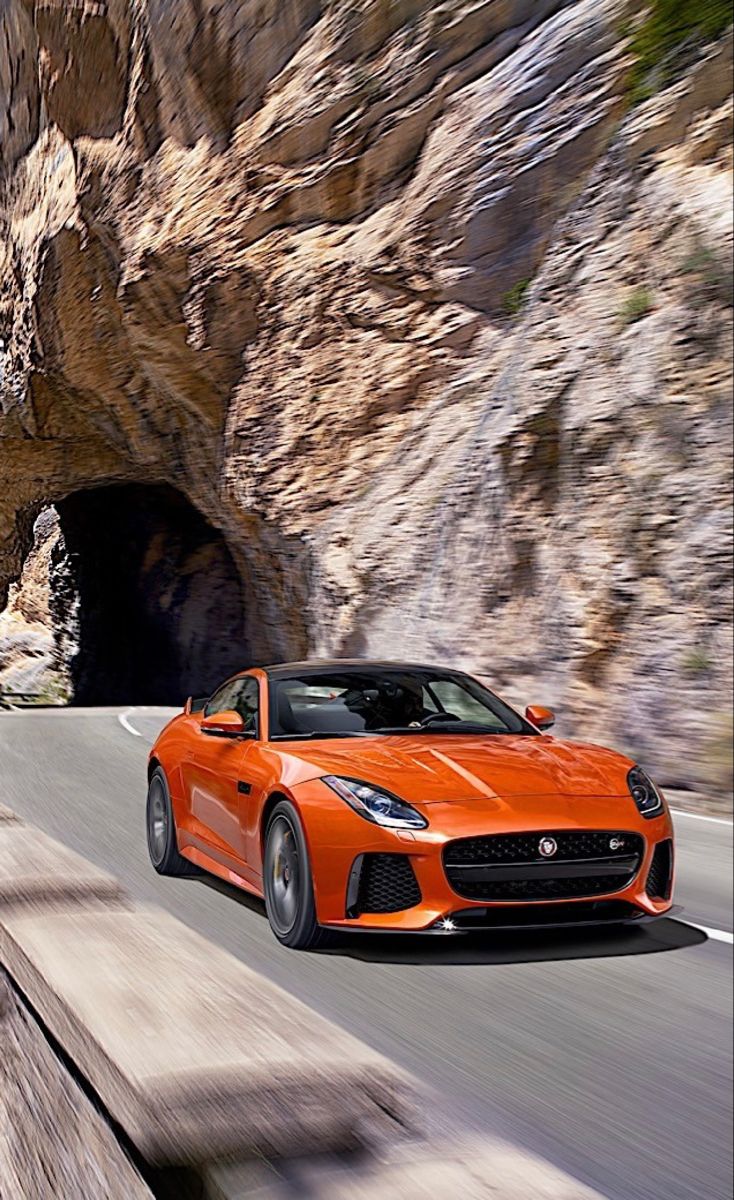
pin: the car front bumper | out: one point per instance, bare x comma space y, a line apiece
338, 838
483, 920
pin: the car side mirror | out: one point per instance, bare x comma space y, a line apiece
224, 724
541, 717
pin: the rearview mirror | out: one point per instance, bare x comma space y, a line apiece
541, 717
224, 724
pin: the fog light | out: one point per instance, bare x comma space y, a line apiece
447, 925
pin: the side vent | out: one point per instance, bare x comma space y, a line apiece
382, 883
660, 875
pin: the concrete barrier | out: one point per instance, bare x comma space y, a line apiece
54, 1143
476, 1169
36, 870
195, 1060
190, 1051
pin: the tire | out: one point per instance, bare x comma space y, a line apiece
161, 829
287, 882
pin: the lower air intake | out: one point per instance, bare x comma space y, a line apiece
524, 916
660, 875
382, 883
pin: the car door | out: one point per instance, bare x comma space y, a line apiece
213, 773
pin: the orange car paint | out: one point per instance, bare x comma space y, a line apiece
465, 785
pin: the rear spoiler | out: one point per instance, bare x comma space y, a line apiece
193, 705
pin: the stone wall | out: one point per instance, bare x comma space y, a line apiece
409, 306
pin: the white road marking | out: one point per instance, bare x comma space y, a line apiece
718, 935
123, 719
681, 812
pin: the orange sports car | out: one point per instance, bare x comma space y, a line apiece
385, 796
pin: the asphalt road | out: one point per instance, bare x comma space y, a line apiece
609, 1054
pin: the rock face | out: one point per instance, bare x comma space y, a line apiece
405, 306
39, 626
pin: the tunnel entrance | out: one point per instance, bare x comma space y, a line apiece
158, 601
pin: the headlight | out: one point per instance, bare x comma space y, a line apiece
382, 808
644, 793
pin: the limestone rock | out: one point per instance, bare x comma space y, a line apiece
36, 870
191, 1052
405, 305
475, 1169
53, 1141
38, 627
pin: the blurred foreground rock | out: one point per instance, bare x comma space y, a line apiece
37, 870
472, 1169
53, 1141
134, 1052
411, 309
193, 1054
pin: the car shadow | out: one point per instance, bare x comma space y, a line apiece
246, 899
492, 948
518, 946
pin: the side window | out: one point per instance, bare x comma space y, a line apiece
458, 701
245, 701
222, 700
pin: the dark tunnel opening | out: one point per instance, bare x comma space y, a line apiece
159, 602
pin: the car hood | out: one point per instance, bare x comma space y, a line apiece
428, 769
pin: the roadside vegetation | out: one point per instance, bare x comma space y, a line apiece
697, 662
666, 36
709, 277
514, 298
637, 305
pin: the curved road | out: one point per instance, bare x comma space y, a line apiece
609, 1054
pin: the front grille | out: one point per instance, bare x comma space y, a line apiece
510, 866
660, 875
385, 883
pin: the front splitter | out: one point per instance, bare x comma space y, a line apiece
437, 930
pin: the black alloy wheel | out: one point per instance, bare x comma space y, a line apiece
288, 886
161, 829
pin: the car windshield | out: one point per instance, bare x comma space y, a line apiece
360, 701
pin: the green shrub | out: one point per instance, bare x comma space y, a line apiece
696, 662
514, 298
624, 28
637, 305
699, 261
718, 756
669, 28
714, 276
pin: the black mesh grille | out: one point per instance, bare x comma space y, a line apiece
387, 883
660, 875
537, 889
524, 847
506, 867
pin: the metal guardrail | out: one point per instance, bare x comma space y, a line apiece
7, 698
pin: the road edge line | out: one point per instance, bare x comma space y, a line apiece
683, 812
716, 935
122, 718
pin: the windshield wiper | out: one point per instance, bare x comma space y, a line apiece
441, 727
317, 734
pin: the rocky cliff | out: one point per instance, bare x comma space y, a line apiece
417, 314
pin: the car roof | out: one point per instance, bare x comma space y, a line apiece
316, 666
